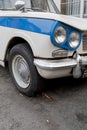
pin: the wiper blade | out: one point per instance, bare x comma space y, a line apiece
36, 9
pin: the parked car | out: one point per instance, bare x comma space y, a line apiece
38, 42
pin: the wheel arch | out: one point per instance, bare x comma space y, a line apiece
15, 41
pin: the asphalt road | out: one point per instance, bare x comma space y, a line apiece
61, 106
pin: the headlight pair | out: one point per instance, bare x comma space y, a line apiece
61, 36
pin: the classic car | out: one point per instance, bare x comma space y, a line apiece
37, 42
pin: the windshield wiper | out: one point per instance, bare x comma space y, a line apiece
36, 9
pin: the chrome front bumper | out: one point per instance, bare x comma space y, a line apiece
60, 68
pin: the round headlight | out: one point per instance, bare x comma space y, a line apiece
60, 35
74, 39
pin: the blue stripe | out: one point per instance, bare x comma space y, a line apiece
42, 26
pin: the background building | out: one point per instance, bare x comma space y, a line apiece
73, 7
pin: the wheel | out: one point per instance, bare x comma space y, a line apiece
23, 71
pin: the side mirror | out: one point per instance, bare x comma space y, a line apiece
20, 5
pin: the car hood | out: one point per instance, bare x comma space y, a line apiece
75, 22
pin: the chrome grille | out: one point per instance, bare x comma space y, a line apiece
84, 35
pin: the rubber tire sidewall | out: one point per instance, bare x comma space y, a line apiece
22, 50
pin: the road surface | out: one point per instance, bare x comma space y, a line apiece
61, 106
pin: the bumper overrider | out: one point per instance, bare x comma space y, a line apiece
75, 66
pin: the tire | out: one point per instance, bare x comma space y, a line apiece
23, 71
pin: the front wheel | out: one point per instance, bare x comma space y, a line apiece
23, 71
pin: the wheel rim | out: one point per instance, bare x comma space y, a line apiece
21, 71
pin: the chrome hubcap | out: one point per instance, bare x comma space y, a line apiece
21, 71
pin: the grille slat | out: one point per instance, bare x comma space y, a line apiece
84, 35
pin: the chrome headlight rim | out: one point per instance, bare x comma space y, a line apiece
60, 39
74, 45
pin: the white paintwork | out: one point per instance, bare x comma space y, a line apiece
40, 44
78, 23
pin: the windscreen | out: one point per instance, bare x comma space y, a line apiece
36, 5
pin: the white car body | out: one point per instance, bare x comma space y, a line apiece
40, 44
52, 45
42, 41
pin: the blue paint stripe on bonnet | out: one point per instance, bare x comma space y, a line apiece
42, 26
